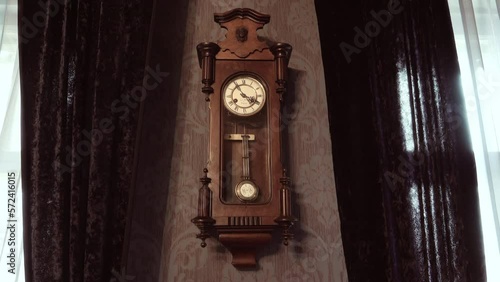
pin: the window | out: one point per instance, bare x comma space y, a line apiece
11, 232
476, 25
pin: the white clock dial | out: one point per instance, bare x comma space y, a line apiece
247, 190
244, 95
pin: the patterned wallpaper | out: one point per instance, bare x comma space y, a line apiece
316, 254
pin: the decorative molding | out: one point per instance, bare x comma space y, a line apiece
241, 13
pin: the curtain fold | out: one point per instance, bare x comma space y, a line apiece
404, 165
149, 208
83, 78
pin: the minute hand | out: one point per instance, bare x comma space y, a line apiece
250, 99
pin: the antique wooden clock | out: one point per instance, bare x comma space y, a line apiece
245, 196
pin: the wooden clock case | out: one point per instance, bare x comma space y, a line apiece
244, 227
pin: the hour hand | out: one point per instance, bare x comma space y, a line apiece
250, 99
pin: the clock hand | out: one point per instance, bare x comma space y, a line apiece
249, 99
238, 87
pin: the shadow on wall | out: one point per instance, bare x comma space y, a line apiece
289, 113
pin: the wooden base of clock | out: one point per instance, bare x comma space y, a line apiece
243, 244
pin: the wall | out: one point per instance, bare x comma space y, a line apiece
316, 254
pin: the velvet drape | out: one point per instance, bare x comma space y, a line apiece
84, 74
404, 166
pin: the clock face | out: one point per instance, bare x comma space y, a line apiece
247, 190
244, 95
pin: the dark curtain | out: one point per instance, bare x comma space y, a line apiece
404, 167
84, 73
156, 142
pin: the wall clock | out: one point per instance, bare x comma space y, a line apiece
245, 196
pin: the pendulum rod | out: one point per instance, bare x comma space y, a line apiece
246, 157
